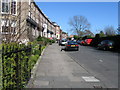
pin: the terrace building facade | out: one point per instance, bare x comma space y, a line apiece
24, 22
64, 35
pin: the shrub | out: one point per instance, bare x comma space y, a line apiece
18, 60
115, 39
53, 41
45, 40
15, 65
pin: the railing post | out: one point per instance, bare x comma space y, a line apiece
40, 49
27, 75
29, 64
17, 70
3, 66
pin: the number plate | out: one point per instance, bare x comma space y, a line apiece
72, 45
110, 47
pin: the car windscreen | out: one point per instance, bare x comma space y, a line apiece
72, 42
107, 42
111, 43
64, 40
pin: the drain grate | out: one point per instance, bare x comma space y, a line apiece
90, 79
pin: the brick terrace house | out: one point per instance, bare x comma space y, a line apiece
57, 31
64, 35
24, 21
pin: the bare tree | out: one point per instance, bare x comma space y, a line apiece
102, 34
79, 24
109, 30
118, 30
88, 33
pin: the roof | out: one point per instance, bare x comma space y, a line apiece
64, 33
42, 13
71, 36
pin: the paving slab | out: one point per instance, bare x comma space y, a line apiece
41, 83
61, 84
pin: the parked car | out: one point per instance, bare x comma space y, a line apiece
63, 42
72, 45
82, 42
88, 41
106, 45
78, 41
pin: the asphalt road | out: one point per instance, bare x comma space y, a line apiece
101, 64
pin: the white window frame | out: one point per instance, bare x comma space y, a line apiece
1, 26
29, 2
8, 8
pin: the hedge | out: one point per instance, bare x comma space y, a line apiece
116, 40
17, 62
45, 40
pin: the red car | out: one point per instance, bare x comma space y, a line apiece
82, 42
88, 41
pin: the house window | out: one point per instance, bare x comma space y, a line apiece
13, 27
4, 22
13, 7
13, 23
4, 26
13, 30
8, 26
5, 6
5, 29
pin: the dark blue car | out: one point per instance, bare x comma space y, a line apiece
72, 45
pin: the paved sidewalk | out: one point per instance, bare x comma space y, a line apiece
57, 70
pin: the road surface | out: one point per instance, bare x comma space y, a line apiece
101, 64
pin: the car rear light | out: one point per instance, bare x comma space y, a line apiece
83, 42
76, 45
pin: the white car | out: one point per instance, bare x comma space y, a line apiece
63, 42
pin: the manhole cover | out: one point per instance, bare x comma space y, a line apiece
90, 79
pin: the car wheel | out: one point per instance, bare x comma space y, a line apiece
104, 49
98, 48
77, 49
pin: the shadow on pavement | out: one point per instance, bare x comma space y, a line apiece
68, 50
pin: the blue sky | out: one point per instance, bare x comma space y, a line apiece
99, 14
119, 13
